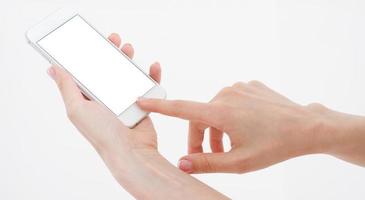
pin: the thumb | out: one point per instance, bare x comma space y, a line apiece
209, 163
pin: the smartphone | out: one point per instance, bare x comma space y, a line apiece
102, 72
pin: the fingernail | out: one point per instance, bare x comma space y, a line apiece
51, 72
185, 165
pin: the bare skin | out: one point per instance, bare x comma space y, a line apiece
264, 128
130, 154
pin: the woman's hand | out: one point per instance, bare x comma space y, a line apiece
264, 128
130, 154
99, 125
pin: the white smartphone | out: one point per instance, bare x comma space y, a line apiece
102, 72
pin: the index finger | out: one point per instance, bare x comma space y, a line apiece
189, 110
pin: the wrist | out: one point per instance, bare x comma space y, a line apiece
335, 133
124, 161
133, 169
146, 174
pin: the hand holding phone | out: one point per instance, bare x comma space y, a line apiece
102, 72
97, 123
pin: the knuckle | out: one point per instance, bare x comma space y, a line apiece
207, 166
240, 92
255, 83
226, 91
317, 107
239, 84
176, 106
242, 87
230, 96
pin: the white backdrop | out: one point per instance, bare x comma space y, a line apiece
312, 50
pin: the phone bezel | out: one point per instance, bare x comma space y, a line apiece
132, 114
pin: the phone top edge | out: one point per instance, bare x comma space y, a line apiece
49, 23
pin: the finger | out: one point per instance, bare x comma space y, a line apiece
215, 137
196, 137
115, 39
155, 72
128, 50
194, 111
208, 163
70, 92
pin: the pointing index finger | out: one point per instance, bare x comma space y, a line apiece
189, 110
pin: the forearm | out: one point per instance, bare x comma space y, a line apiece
147, 175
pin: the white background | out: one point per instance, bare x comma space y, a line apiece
312, 50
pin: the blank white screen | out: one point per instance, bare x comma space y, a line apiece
94, 62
